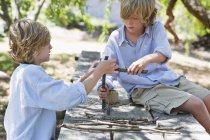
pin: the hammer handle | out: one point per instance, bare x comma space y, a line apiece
104, 85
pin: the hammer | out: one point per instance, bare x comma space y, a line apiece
104, 86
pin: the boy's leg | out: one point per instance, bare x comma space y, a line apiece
168, 99
206, 101
196, 90
199, 104
198, 109
160, 98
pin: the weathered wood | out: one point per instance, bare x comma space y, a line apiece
122, 114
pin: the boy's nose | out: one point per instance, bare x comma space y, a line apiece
130, 22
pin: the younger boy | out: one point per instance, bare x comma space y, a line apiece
34, 95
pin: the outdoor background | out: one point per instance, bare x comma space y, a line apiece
77, 25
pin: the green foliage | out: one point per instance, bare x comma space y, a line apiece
187, 47
64, 58
185, 24
6, 63
25, 6
105, 31
206, 4
67, 12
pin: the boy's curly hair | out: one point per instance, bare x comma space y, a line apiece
145, 9
26, 37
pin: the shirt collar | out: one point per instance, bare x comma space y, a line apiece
122, 37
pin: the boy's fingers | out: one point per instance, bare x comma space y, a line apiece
102, 95
103, 90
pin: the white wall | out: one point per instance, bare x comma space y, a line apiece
96, 8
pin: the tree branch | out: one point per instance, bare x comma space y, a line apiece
36, 11
121, 129
15, 10
5, 14
198, 10
169, 12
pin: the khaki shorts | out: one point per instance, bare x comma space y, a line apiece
164, 98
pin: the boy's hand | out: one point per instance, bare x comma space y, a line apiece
93, 65
107, 66
103, 92
136, 67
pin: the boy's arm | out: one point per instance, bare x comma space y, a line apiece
156, 57
160, 38
138, 66
97, 73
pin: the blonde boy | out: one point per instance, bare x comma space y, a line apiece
34, 95
142, 44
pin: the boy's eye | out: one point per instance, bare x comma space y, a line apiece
136, 17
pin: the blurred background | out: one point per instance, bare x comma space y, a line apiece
77, 25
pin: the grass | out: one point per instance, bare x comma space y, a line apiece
6, 63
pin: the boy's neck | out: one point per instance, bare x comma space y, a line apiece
133, 36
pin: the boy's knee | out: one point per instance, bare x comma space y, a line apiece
207, 98
196, 103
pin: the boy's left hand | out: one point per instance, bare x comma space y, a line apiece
136, 67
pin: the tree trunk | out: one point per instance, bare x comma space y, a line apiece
35, 13
198, 10
15, 10
4, 14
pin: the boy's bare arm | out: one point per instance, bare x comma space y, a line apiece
138, 66
93, 76
156, 57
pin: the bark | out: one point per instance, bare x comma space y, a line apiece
15, 10
170, 19
198, 10
34, 14
4, 14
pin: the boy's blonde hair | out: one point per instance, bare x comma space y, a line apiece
26, 37
145, 9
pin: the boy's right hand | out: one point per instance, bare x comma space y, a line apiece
107, 66
103, 92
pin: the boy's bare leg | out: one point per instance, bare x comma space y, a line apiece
198, 109
206, 101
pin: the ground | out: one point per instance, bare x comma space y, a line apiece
68, 44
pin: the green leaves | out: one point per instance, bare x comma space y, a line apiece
105, 31
6, 63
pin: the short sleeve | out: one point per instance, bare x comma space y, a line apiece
161, 40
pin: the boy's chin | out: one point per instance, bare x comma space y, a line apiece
46, 60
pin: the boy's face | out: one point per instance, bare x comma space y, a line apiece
44, 55
133, 25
